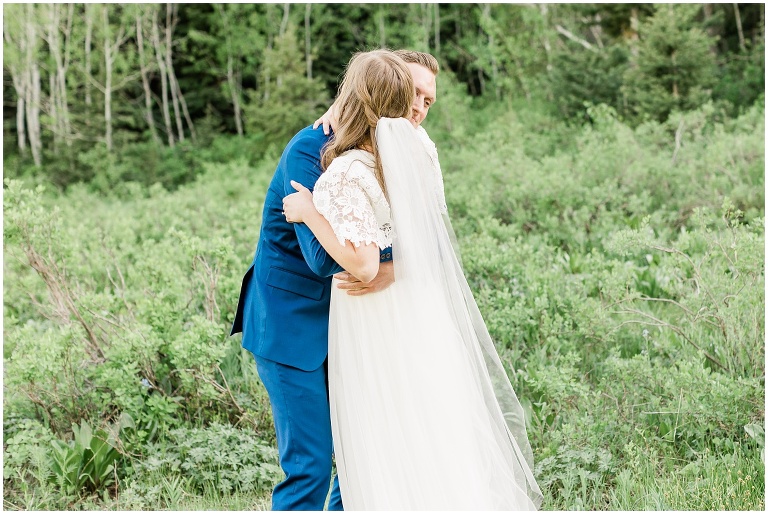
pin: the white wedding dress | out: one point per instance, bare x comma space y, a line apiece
422, 413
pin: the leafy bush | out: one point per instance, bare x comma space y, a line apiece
138, 332
620, 271
88, 462
219, 459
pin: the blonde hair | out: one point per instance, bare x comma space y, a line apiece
376, 84
422, 58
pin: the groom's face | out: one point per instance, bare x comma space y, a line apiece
426, 92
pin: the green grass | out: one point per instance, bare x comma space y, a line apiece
712, 482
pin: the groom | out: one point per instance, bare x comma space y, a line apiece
283, 312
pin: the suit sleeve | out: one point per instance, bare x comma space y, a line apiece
303, 167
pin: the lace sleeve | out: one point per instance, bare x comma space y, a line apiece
341, 199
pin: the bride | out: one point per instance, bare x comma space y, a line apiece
423, 415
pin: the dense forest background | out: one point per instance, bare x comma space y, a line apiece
605, 173
139, 85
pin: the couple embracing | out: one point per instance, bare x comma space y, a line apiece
364, 330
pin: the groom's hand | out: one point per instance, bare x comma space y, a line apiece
384, 279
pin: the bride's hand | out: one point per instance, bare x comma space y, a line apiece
297, 206
329, 120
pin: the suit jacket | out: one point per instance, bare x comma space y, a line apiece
285, 295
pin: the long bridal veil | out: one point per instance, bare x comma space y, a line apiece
427, 267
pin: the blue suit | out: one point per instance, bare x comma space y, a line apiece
283, 315
286, 293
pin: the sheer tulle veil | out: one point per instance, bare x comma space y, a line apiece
427, 265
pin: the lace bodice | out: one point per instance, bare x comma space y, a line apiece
350, 198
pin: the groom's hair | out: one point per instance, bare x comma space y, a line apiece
422, 58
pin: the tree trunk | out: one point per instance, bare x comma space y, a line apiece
381, 14
53, 48
33, 117
232, 80
307, 40
235, 92
145, 81
597, 29
283, 28
426, 25
437, 29
544, 10
88, 37
712, 30
63, 74
270, 43
177, 88
53, 111
492, 49
32, 101
107, 80
20, 120
742, 43
163, 78
284, 22
57, 77
169, 23
573, 37
708, 11
176, 85
18, 77
634, 26
675, 73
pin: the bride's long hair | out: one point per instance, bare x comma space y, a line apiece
376, 84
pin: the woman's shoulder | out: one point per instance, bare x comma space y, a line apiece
352, 163
354, 168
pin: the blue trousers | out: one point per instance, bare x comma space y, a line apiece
302, 417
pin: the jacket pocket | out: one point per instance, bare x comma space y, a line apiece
295, 283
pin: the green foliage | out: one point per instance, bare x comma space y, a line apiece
88, 461
26, 443
447, 117
609, 280
219, 459
262, 71
620, 271
713, 297
290, 100
674, 68
128, 330
512, 59
582, 77
36, 460
27, 465
743, 81
724, 481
